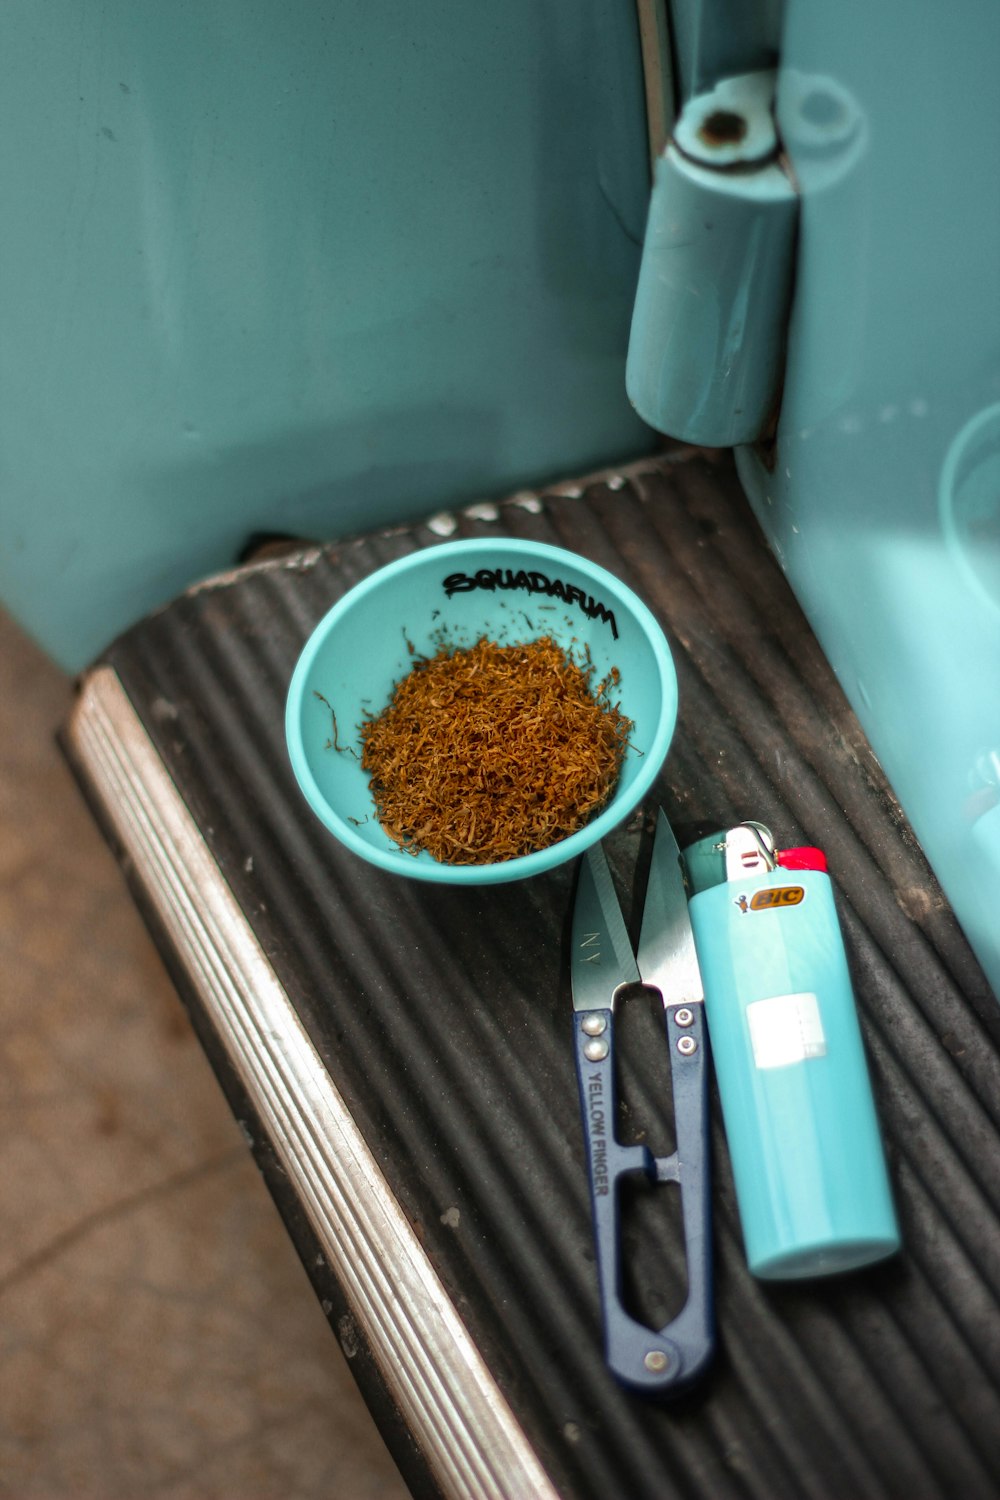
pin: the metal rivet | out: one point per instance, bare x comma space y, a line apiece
723, 127
594, 1024
687, 1046
596, 1050
656, 1361
684, 1017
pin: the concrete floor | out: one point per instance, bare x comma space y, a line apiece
158, 1336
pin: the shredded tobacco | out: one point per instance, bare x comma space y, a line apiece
490, 752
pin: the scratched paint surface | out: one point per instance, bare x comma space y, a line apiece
307, 276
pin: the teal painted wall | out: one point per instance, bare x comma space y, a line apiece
881, 496
304, 268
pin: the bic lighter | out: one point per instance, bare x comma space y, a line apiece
807, 1157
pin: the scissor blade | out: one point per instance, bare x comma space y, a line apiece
602, 954
667, 956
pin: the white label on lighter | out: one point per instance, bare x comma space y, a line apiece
786, 1029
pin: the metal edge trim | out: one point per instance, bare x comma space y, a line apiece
655, 46
473, 1444
443, 523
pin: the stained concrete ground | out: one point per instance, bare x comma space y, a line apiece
158, 1336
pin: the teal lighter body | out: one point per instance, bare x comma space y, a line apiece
811, 1179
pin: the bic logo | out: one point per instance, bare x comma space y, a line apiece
767, 900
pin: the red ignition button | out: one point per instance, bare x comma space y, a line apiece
804, 858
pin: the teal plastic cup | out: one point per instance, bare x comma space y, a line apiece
508, 591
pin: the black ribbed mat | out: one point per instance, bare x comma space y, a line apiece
444, 1018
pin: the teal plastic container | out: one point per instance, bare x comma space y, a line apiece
811, 1179
509, 590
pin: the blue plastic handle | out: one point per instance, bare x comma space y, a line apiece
668, 1359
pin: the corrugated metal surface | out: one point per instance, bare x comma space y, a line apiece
444, 1019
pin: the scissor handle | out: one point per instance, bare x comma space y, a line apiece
667, 1359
